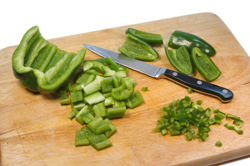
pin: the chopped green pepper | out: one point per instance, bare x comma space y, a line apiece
179, 38
112, 130
40, 65
81, 139
135, 100
100, 110
76, 96
64, 99
107, 85
151, 38
124, 91
98, 125
204, 65
144, 88
138, 49
99, 142
94, 98
116, 112
180, 60
84, 115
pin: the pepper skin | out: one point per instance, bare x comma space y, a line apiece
204, 65
179, 38
41, 66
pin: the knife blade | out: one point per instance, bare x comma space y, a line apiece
224, 94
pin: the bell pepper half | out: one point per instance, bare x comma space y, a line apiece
40, 65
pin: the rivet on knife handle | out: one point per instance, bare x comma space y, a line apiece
225, 95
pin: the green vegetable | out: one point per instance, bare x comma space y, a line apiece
204, 65
116, 112
144, 88
81, 139
151, 38
135, 100
232, 117
76, 96
94, 98
180, 60
85, 115
138, 49
98, 125
183, 116
190, 90
218, 143
41, 66
123, 92
107, 85
100, 110
112, 130
100, 142
64, 99
179, 38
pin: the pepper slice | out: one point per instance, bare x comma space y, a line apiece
151, 38
205, 65
179, 38
180, 60
40, 65
138, 49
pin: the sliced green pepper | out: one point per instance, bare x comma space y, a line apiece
112, 130
138, 49
40, 65
100, 110
179, 38
85, 115
151, 38
204, 65
180, 60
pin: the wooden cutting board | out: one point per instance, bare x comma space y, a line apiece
35, 130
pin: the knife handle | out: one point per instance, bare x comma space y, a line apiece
225, 95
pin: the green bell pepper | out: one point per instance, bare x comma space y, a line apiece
204, 65
179, 38
180, 60
40, 65
151, 38
138, 49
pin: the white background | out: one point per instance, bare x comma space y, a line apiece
58, 18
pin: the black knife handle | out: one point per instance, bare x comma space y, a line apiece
225, 95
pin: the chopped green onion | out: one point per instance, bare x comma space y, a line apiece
232, 116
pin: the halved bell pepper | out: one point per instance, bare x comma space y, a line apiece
40, 65
179, 38
205, 65
138, 49
151, 38
180, 60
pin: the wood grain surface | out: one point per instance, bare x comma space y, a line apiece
35, 130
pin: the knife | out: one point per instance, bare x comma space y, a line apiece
225, 95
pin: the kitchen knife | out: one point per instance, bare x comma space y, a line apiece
225, 95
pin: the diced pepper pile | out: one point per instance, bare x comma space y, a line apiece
101, 92
187, 117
